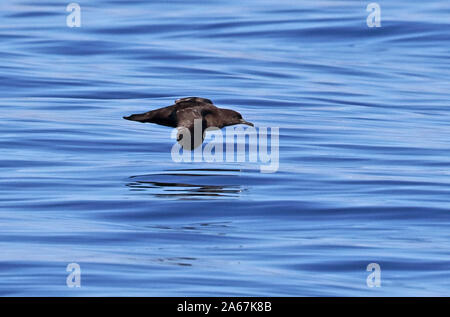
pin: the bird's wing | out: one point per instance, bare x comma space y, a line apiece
193, 100
186, 110
186, 117
170, 114
182, 113
192, 123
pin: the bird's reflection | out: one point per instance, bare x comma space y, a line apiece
189, 184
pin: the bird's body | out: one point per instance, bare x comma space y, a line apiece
186, 112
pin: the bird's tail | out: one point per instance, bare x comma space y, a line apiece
140, 117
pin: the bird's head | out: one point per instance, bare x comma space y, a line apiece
231, 117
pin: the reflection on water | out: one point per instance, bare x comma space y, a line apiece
189, 183
180, 261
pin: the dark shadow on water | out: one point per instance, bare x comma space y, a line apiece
189, 184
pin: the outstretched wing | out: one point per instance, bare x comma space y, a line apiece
171, 116
191, 125
187, 116
187, 110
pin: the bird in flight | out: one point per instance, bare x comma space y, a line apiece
186, 113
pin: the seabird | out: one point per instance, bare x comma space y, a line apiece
182, 114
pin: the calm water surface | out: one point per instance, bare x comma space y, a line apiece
364, 171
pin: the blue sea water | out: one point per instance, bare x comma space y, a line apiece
364, 173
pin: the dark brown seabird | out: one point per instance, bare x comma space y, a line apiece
182, 114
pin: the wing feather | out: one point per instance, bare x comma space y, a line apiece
194, 100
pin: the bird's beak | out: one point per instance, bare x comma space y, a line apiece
242, 121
